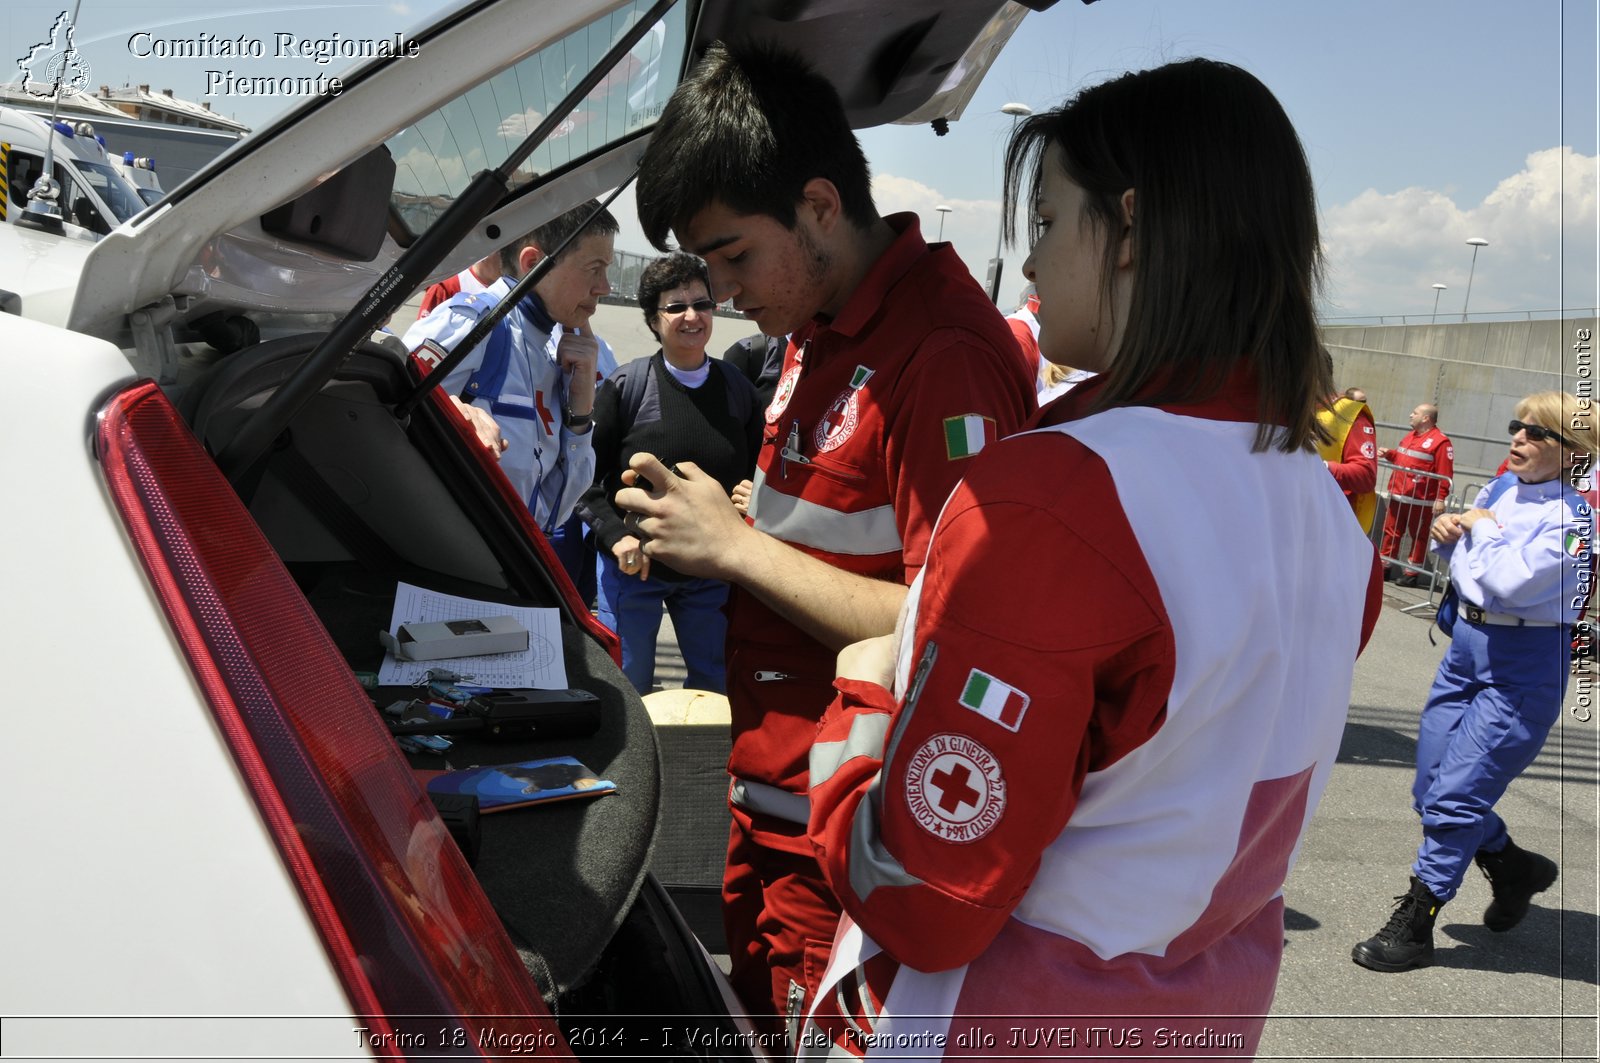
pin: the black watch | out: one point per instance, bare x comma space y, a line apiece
579, 420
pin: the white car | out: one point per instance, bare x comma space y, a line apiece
214, 842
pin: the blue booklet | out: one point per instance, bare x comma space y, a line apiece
531, 782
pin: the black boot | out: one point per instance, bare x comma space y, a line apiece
1515, 875
1406, 941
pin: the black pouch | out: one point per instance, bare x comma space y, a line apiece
1449, 610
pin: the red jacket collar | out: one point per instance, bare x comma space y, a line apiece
907, 251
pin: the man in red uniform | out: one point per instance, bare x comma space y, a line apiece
898, 370
1414, 501
1024, 322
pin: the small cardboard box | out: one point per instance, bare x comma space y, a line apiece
456, 638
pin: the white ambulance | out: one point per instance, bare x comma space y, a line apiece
140, 172
94, 197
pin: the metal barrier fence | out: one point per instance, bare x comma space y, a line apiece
1433, 317
1411, 514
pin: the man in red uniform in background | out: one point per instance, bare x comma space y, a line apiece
1414, 501
475, 278
1024, 322
898, 370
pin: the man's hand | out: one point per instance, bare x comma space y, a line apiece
1473, 516
486, 427
629, 553
1447, 530
741, 497
578, 354
686, 521
870, 660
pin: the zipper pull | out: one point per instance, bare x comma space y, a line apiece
773, 677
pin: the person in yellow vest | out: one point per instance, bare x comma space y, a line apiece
1351, 454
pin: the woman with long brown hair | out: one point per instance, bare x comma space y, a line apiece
1077, 780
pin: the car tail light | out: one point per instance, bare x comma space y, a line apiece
408, 929
608, 639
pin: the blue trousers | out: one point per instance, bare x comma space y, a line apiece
1497, 694
632, 608
574, 546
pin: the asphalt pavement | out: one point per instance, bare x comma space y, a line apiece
1528, 994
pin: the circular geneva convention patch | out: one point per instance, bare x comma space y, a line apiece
954, 788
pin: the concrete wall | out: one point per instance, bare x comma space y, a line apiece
1474, 372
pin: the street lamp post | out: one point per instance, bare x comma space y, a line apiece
1476, 242
943, 210
1017, 111
1437, 288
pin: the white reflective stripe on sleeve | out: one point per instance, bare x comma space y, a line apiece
1424, 455
770, 801
871, 863
865, 739
794, 520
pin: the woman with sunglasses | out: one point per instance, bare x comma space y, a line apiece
687, 407
1520, 568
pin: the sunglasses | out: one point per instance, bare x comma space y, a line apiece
1539, 433
701, 306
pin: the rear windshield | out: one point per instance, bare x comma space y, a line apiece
437, 157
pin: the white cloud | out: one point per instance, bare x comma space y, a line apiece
1386, 250
971, 226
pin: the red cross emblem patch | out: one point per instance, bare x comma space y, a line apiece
784, 392
838, 423
955, 789
842, 417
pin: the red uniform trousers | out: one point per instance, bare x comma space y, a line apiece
1405, 517
780, 917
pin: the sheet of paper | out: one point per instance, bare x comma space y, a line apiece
540, 665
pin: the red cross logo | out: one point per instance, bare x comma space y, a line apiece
839, 423
834, 418
953, 788
544, 414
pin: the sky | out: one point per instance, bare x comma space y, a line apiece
1426, 122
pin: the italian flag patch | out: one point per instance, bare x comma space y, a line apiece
994, 700
1575, 544
966, 435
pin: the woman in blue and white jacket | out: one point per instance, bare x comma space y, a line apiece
1520, 565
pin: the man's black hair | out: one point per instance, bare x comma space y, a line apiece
748, 128
550, 235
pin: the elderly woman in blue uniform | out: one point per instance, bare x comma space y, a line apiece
1519, 562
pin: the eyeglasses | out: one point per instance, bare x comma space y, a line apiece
701, 306
1539, 433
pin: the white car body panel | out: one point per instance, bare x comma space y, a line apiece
188, 850
42, 270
